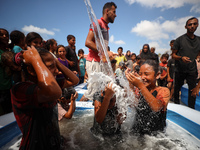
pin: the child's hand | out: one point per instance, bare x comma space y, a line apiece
74, 97
31, 55
109, 92
134, 79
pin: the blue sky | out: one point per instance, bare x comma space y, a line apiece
138, 22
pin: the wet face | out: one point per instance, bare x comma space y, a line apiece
148, 76
192, 25
37, 42
72, 41
62, 52
50, 63
145, 48
111, 14
4, 37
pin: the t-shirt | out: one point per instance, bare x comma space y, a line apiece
187, 47
171, 65
82, 64
61, 111
71, 56
16, 49
104, 30
120, 58
38, 122
65, 63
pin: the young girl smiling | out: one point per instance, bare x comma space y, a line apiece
152, 100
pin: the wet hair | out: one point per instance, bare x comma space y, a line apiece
69, 37
32, 36
108, 5
80, 51
165, 56
67, 92
16, 37
120, 48
152, 63
191, 19
49, 43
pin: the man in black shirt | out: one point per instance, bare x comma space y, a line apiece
185, 50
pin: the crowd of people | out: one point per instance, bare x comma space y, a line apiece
37, 80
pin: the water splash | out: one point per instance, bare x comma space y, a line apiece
98, 80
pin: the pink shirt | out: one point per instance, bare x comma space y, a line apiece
104, 29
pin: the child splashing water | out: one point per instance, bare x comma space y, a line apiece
151, 107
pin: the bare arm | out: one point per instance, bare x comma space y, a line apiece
70, 78
72, 107
90, 41
154, 103
101, 108
48, 90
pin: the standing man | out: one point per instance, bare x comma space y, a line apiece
185, 50
93, 60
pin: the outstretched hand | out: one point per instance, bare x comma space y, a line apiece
74, 96
133, 78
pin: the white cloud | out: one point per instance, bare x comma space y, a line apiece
111, 39
195, 8
119, 42
55, 29
150, 30
158, 49
32, 28
154, 30
164, 4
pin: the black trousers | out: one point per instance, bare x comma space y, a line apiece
179, 81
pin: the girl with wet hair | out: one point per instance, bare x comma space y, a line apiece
152, 100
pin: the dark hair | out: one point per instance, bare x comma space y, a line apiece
108, 48
165, 55
120, 48
133, 54
172, 41
59, 46
16, 37
108, 5
32, 36
152, 63
69, 37
67, 92
138, 57
4, 30
191, 19
80, 51
49, 43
